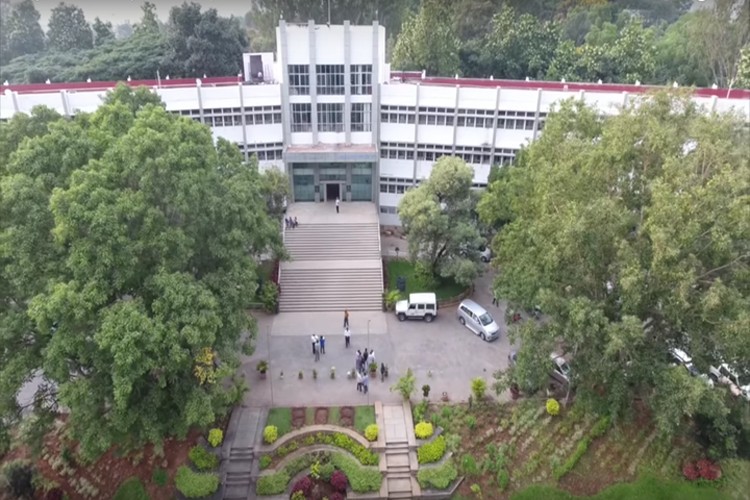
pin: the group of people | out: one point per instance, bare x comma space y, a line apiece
318, 345
290, 222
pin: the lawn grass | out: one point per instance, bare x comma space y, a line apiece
646, 487
334, 415
363, 416
310, 415
401, 267
131, 489
281, 418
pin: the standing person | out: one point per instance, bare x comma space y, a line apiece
358, 360
322, 344
295, 222
495, 302
346, 318
347, 337
317, 349
359, 381
364, 359
313, 339
337, 204
371, 357
286, 222
365, 382
382, 372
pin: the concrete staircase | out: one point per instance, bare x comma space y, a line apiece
335, 264
399, 443
238, 454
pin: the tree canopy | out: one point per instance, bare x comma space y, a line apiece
22, 33
128, 253
632, 233
68, 29
438, 220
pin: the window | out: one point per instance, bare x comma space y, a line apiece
387, 210
301, 117
361, 117
361, 79
330, 117
299, 79
330, 79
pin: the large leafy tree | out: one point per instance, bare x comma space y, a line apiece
633, 234
68, 29
205, 43
428, 41
438, 219
128, 252
23, 31
103, 32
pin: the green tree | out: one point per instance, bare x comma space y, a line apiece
128, 258
68, 29
102, 32
205, 43
743, 72
677, 59
633, 235
428, 41
24, 34
149, 20
276, 190
439, 223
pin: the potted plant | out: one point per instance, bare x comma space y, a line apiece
262, 368
426, 391
373, 368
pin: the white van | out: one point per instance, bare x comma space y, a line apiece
478, 320
419, 306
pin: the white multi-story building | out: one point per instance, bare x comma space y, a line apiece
328, 110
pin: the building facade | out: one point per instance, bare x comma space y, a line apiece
329, 111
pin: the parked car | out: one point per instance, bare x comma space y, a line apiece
678, 357
418, 306
478, 320
485, 254
724, 376
560, 369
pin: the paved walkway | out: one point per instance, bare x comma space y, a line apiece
238, 452
400, 452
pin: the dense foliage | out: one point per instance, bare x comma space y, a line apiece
128, 250
195, 484
632, 233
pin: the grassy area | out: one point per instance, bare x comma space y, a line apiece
363, 416
400, 267
646, 487
334, 415
281, 418
131, 489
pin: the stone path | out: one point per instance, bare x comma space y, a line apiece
238, 452
400, 451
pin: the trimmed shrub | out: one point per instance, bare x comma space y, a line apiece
431, 452
195, 484
361, 479
298, 495
305, 485
264, 462
553, 407
423, 430
702, 469
270, 434
203, 459
371, 432
215, 437
273, 484
469, 465
478, 388
339, 481
131, 489
439, 477
326, 471
503, 479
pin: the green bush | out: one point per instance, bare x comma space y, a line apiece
215, 437
423, 430
469, 465
420, 410
470, 421
203, 459
478, 388
265, 461
269, 296
390, 297
503, 479
131, 489
195, 484
160, 477
326, 471
270, 434
553, 407
273, 484
431, 452
371, 432
361, 479
438, 478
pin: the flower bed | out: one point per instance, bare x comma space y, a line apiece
338, 439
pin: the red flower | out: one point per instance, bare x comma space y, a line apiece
690, 471
339, 481
305, 485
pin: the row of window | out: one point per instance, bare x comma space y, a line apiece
388, 210
331, 117
478, 118
478, 155
265, 151
401, 186
330, 79
232, 117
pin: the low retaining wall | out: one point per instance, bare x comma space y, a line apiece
314, 429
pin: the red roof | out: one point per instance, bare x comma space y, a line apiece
91, 86
416, 76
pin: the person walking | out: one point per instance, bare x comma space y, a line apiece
382, 372
347, 337
322, 344
295, 222
346, 318
337, 204
495, 302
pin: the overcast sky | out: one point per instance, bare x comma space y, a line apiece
120, 11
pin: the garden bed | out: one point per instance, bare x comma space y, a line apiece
353, 417
446, 289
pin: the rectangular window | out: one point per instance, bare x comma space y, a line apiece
301, 117
330, 79
361, 79
330, 117
299, 79
361, 117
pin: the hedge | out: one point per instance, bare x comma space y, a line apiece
274, 484
338, 439
439, 477
203, 459
361, 479
431, 452
195, 484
